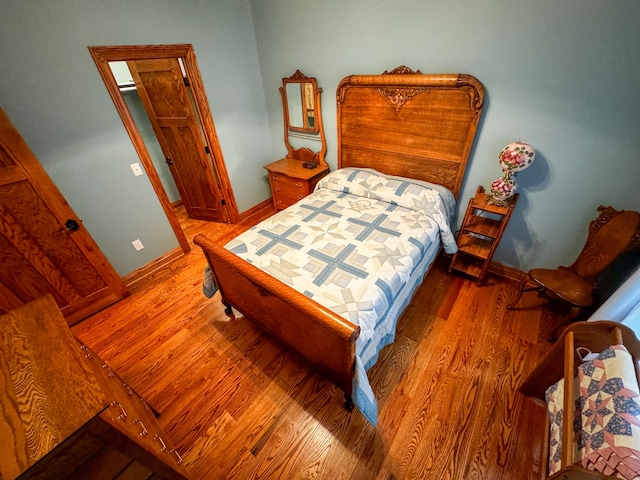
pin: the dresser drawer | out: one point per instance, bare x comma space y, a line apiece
284, 199
286, 190
129, 414
288, 184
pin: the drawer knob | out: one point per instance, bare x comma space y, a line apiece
299, 184
275, 177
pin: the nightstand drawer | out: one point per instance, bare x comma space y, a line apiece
284, 190
283, 199
284, 182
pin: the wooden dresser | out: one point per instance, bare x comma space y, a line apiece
291, 182
65, 414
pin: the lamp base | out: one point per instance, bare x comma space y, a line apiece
499, 202
502, 189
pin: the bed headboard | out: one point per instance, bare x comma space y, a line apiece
409, 124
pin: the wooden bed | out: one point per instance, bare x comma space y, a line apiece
401, 123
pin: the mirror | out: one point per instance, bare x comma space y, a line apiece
300, 103
302, 114
299, 99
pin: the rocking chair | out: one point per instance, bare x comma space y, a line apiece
610, 234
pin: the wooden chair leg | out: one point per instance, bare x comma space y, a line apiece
523, 282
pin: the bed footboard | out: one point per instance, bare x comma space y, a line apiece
324, 338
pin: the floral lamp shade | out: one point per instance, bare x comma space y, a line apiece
513, 158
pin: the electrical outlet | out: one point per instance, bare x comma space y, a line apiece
137, 244
135, 168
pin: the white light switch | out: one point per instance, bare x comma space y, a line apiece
137, 244
135, 168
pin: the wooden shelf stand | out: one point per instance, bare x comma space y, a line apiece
480, 234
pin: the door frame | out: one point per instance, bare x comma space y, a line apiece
102, 55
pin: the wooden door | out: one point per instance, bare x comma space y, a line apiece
168, 103
43, 245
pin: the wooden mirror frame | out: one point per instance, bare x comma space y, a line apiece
304, 154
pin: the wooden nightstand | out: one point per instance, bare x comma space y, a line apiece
291, 182
480, 234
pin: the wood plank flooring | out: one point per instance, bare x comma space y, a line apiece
239, 406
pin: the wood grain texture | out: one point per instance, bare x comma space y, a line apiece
38, 410
38, 253
410, 124
241, 406
167, 101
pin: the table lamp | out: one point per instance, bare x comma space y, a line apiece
513, 158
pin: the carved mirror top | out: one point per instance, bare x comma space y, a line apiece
302, 114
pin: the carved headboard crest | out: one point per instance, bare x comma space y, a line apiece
401, 70
399, 96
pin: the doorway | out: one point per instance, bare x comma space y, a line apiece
209, 172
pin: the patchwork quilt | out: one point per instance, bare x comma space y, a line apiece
606, 419
359, 245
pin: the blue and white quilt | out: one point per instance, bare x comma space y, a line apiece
359, 245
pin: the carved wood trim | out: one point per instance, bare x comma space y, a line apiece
399, 96
298, 76
401, 70
606, 213
476, 91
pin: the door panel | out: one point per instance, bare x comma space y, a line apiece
170, 109
38, 253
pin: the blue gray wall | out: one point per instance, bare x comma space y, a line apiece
561, 75
51, 90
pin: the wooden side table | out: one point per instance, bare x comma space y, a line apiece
290, 181
480, 234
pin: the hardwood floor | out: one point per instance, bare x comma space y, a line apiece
239, 406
